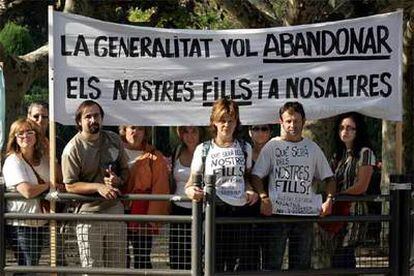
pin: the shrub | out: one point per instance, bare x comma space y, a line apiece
16, 39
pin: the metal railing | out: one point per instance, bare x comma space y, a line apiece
203, 257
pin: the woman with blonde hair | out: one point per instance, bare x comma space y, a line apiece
229, 159
148, 175
26, 171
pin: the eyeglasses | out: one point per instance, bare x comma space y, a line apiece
37, 116
22, 133
347, 128
264, 129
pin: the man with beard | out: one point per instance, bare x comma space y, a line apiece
292, 162
94, 163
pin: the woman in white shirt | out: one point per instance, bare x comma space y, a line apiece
26, 171
230, 160
180, 233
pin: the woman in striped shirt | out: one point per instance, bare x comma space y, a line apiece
353, 163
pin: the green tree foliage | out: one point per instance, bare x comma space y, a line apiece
190, 15
16, 39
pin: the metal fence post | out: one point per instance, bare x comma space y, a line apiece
196, 233
404, 190
210, 239
394, 238
2, 226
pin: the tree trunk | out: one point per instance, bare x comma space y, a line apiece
408, 98
19, 74
249, 14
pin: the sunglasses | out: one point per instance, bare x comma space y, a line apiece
37, 116
264, 129
21, 134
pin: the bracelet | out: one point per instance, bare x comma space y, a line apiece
331, 197
264, 197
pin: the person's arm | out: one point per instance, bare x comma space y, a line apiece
361, 185
191, 190
28, 190
107, 192
257, 184
251, 195
330, 189
159, 185
265, 203
17, 178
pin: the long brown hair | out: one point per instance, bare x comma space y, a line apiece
13, 147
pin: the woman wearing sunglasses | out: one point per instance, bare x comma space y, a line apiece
260, 135
26, 171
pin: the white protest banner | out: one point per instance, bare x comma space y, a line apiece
152, 76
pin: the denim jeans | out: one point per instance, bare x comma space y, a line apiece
26, 243
300, 235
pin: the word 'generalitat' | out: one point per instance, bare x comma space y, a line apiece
114, 46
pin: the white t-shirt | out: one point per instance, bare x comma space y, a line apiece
43, 169
228, 166
16, 171
291, 167
181, 176
133, 155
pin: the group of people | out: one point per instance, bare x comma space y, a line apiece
270, 177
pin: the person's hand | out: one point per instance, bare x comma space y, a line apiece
108, 192
251, 197
327, 207
60, 187
194, 193
112, 179
266, 206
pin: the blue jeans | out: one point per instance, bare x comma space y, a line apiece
300, 236
26, 243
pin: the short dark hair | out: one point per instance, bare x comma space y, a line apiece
292, 106
81, 108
